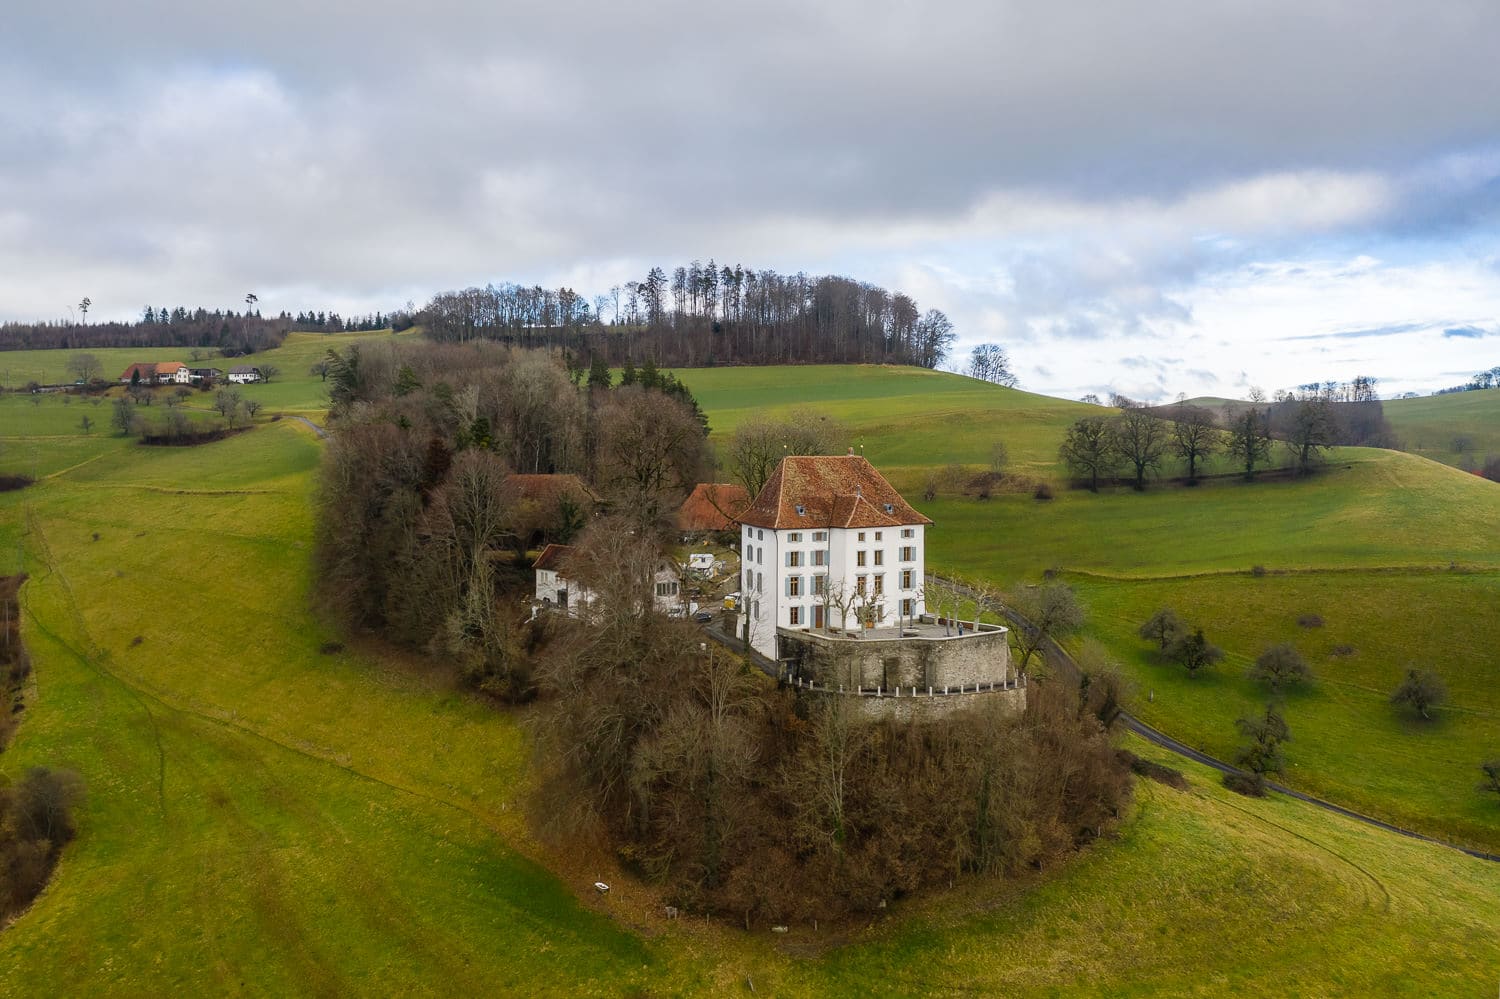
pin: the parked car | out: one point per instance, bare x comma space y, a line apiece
703, 617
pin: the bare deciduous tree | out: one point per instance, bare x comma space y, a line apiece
1250, 439
651, 453
989, 362
759, 443
1194, 437
1089, 449
1046, 612
1280, 665
1141, 439
1421, 690
85, 367
1312, 431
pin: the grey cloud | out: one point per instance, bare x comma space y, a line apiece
1396, 329
365, 153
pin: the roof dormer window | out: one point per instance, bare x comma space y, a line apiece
890, 508
801, 510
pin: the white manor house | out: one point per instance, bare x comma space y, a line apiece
828, 542
833, 568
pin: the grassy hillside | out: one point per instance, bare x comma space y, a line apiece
904, 418
1397, 553
265, 818
1430, 426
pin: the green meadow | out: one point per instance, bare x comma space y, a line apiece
1395, 552
904, 420
1433, 426
265, 817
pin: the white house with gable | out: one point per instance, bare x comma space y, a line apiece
828, 541
557, 587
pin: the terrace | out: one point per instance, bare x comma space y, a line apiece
925, 628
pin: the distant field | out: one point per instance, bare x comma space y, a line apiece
263, 818
903, 418
1430, 426
293, 389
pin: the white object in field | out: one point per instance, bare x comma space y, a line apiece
600, 887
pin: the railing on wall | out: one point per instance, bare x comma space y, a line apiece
804, 683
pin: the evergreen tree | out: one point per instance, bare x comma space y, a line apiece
599, 377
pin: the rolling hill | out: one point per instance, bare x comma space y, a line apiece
268, 812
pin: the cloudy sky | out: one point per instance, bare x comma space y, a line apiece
1151, 197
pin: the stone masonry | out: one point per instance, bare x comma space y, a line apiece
922, 671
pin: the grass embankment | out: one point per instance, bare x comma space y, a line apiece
264, 818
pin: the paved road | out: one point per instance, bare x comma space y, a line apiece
1063, 664
322, 434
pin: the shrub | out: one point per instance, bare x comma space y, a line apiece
1310, 620
1251, 785
37, 815
1257, 570
1152, 770
1043, 491
1491, 771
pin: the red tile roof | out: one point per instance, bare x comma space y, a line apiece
169, 367
550, 488
552, 556
712, 506
829, 491
146, 369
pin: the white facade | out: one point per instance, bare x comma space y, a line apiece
825, 577
555, 589
243, 377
